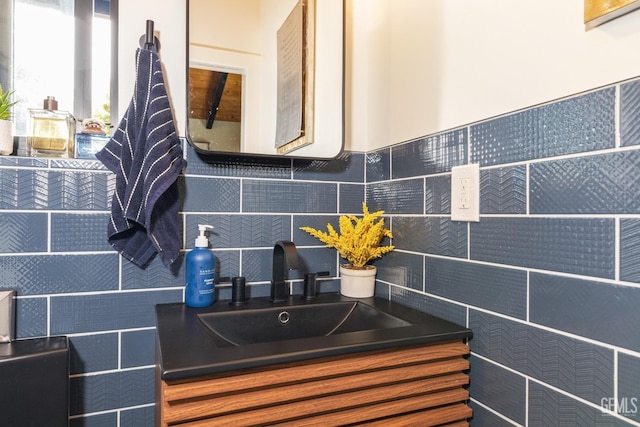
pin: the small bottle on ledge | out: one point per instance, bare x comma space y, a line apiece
51, 131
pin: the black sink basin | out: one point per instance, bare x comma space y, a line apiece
254, 326
222, 338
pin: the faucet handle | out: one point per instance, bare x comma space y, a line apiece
238, 291
310, 290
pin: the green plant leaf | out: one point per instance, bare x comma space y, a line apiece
6, 104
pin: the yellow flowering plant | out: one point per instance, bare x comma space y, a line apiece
359, 238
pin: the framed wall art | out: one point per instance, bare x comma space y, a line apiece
598, 12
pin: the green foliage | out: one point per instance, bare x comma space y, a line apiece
6, 104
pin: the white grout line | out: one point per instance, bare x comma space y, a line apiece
494, 412
516, 320
530, 379
618, 103
119, 350
616, 249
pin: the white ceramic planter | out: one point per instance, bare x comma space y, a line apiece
6, 138
357, 283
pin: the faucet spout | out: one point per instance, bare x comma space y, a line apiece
285, 258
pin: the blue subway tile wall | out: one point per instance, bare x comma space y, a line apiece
570, 364
96, 393
438, 195
397, 197
575, 125
72, 314
556, 244
404, 269
62, 273
318, 222
493, 288
108, 419
435, 306
378, 165
137, 417
548, 279
346, 167
630, 113
31, 315
350, 198
55, 253
233, 231
630, 249
585, 307
93, 353
210, 194
599, 184
548, 407
138, 348
485, 417
504, 190
628, 380
23, 232
155, 275
283, 196
491, 383
436, 235
72, 232
429, 155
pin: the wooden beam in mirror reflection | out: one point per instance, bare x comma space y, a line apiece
219, 80
202, 85
598, 12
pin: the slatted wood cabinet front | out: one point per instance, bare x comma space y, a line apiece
422, 385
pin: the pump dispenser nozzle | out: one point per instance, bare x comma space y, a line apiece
202, 241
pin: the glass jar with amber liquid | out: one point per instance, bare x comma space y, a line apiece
52, 131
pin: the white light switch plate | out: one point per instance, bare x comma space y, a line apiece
465, 193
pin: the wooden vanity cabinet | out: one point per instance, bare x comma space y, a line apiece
423, 385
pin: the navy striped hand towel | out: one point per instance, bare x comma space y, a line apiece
145, 154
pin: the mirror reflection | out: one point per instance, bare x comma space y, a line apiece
215, 109
240, 37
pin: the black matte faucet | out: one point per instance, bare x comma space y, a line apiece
285, 258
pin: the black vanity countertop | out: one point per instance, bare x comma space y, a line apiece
187, 348
32, 347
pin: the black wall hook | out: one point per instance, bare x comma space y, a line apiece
148, 40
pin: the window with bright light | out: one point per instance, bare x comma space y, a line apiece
48, 37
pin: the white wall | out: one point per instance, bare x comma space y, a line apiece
170, 17
419, 67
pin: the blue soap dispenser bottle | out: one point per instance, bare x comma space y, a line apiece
200, 272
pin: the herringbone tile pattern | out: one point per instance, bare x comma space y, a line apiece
504, 190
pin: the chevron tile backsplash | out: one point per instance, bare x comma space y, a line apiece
548, 280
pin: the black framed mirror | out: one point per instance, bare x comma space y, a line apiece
247, 44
